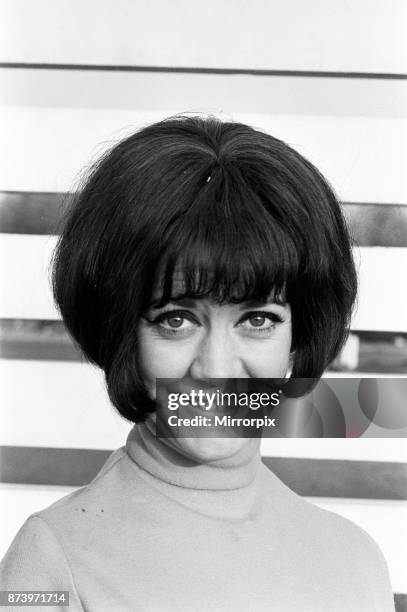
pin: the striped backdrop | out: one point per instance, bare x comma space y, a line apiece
329, 78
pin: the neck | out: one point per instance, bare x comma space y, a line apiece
166, 460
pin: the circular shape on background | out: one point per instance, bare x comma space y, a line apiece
384, 401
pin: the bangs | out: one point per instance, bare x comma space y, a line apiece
227, 246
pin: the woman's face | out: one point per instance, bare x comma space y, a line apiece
199, 339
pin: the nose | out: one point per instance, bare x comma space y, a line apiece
217, 356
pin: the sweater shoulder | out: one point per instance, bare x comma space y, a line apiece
330, 535
34, 547
36, 561
358, 548
103, 487
74, 517
307, 514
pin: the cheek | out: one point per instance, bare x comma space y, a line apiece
270, 359
162, 358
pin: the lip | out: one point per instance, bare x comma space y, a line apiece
187, 385
184, 387
190, 410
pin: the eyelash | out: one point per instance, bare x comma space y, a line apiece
176, 332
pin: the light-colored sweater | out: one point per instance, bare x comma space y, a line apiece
156, 532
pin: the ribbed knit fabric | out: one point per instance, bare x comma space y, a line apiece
155, 531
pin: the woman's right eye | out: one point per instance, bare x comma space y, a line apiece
174, 323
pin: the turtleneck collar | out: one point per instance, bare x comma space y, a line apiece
157, 457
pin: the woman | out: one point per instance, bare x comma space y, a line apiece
200, 250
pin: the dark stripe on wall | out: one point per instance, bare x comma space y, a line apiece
36, 339
41, 213
382, 352
400, 602
50, 466
341, 478
309, 477
203, 70
31, 213
377, 224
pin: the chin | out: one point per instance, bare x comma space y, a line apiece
212, 449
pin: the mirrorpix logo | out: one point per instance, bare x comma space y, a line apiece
311, 408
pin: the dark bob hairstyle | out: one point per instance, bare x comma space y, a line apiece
239, 212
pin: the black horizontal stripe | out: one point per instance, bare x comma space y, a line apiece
50, 466
308, 477
41, 213
341, 478
400, 602
379, 351
32, 339
377, 224
26, 212
203, 70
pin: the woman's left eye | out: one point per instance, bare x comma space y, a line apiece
260, 321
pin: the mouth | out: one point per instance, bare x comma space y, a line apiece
186, 385
190, 397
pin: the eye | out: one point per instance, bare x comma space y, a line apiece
174, 322
260, 321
